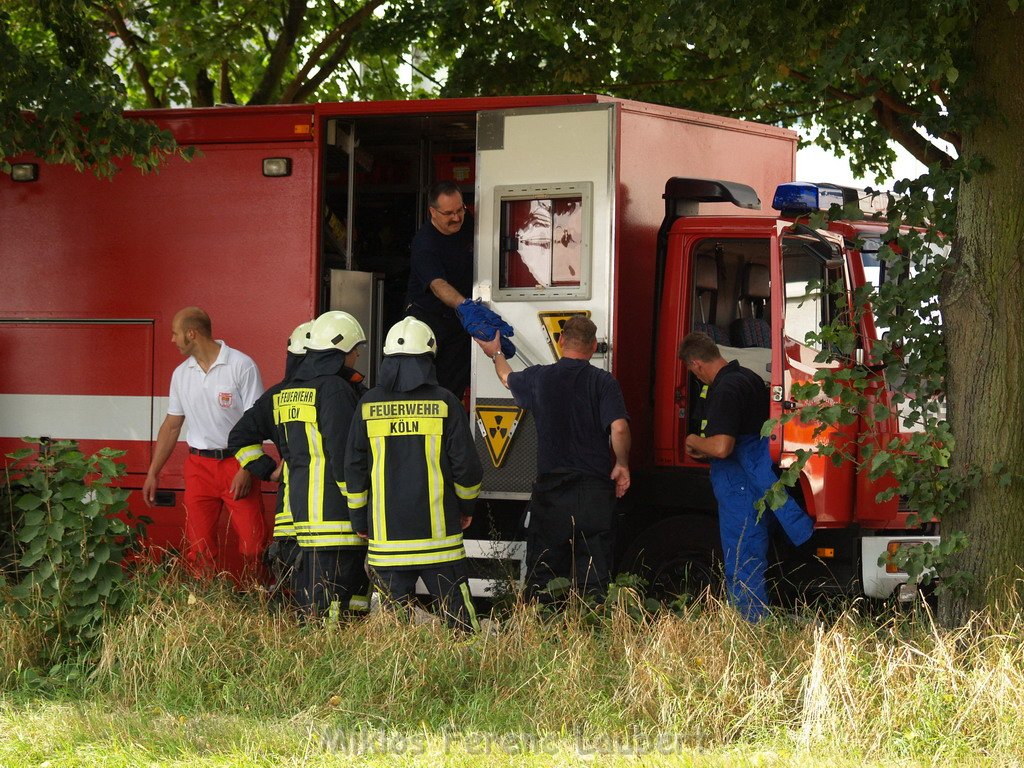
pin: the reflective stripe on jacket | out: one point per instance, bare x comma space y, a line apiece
412, 472
308, 422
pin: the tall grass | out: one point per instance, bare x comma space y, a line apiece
857, 689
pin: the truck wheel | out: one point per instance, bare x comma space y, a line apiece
680, 558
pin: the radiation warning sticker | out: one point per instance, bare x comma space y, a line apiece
553, 323
497, 424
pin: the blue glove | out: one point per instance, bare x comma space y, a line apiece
508, 349
482, 322
473, 320
497, 322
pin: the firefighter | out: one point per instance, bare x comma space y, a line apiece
413, 476
579, 412
311, 415
741, 470
245, 441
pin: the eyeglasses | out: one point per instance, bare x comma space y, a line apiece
450, 214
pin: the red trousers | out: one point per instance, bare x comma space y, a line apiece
207, 491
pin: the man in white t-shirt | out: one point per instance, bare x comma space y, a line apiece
210, 390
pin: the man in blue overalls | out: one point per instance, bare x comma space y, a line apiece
741, 470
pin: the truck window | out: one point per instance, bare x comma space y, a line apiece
875, 272
543, 242
808, 266
730, 291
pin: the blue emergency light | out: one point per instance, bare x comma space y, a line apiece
798, 198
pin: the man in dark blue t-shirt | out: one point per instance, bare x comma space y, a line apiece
741, 470
441, 278
578, 409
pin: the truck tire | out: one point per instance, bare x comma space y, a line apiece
680, 558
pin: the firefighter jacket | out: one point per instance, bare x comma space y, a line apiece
308, 419
255, 427
412, 470
246, 443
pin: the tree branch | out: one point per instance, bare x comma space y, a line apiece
897, 106
131, 43
326, 69
911, 140
202, 89
282, 49
342, 31
888, 111
831, 90
227, 95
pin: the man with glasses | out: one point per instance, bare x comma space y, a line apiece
441, 279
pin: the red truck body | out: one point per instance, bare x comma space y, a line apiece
96, 269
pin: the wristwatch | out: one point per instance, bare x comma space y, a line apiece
496, 355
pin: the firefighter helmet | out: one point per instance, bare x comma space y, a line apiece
410, 336
335, 330
297, 341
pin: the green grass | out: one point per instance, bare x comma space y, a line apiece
203, 677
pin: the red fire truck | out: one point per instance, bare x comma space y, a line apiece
583, 204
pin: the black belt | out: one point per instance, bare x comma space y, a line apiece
209, 453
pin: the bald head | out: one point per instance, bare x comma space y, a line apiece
192, 333
193, 319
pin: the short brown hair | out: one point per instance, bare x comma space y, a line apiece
699, 346
579, 333
441, 188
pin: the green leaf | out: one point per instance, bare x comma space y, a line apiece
34, 518
102, 552
44, 571
103, 495
22, 591
28, 502
31, 557
32, 535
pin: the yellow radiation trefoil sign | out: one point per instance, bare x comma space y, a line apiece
554, 322
497, 424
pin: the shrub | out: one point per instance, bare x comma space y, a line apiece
65, 541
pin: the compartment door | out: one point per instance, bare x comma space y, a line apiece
545, 235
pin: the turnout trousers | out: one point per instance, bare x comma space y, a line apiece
331, 582
446, 583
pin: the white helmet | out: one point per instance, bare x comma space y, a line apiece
297, 341
410, 336
335, 330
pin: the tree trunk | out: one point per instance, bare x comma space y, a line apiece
983, 312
